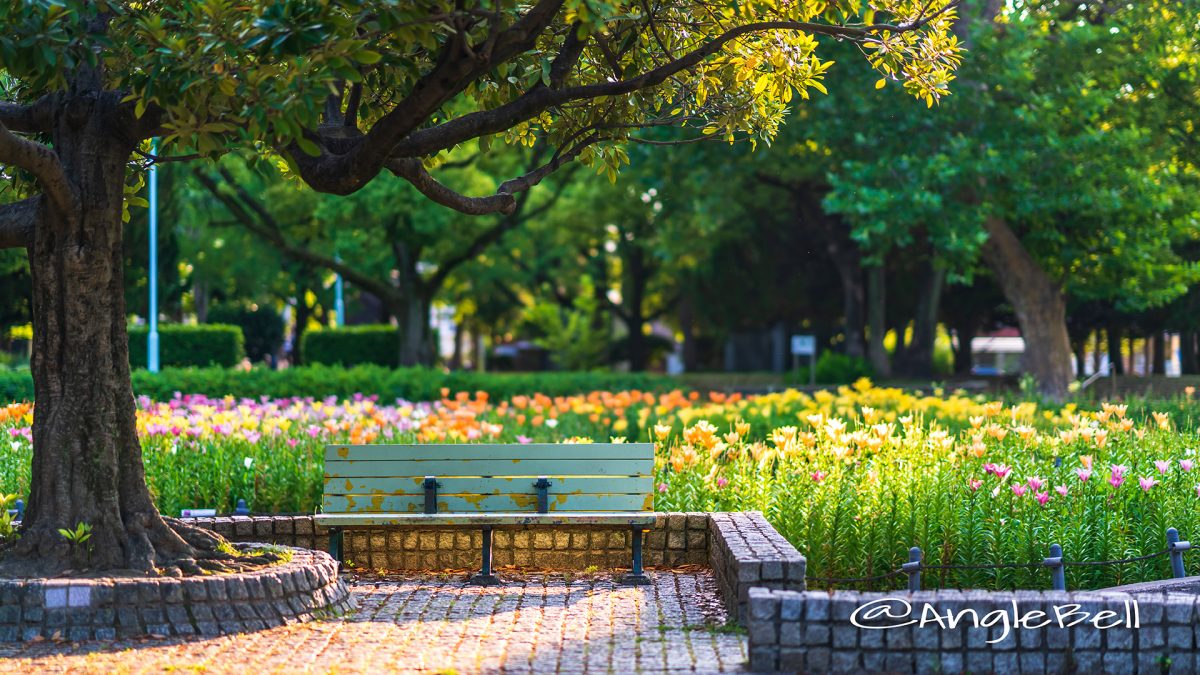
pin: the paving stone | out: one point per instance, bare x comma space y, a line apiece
538, 624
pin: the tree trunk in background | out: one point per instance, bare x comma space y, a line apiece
1187, 353
877, 321
916, 358
1160, 353
964, 360
1078, 347
1040, 307
303, 313
412, 313
200, 300
87, 460
1113, 334
457, 356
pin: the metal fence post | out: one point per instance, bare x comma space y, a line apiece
1058, 577
913, 569
1176, 548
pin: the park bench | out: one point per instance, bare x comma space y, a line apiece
489, 487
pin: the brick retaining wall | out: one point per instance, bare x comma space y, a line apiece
748, 553
674, 539
812, 631
109, 608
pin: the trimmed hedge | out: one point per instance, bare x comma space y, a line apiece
181, 345
413, 384
377, 344
262, 328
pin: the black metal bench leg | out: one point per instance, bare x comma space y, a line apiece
485, 576
637, 576
335, 545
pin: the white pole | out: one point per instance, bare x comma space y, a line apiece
152, 341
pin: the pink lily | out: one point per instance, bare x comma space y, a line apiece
1042, 497
1062, 490
1035, 483
818, 476
1186, 464
1147, 483
1019, 490
1162, 465
1084, 474
974, 484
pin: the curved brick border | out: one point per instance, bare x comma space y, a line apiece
105, 609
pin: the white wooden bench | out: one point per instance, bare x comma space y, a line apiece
490, 486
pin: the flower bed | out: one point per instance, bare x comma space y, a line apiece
852, 477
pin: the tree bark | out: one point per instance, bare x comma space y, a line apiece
1159, 360
1115, 363
916, 358
877, 320
1040, 306
964, 360
416, 348
87, 460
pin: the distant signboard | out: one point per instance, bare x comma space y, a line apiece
804, 345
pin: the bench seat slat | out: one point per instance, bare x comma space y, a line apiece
486, 451
415, 485
491, 467
479, 519
503, 503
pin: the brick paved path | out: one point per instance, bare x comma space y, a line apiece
425, 625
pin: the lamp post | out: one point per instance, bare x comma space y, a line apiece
339, 300
152, 340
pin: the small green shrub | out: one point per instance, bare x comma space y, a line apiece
835, 368
352, 346
183, 345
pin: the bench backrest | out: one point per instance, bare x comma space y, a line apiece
480, 478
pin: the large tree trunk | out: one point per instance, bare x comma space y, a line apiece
877, 320
87, 461
1040, 307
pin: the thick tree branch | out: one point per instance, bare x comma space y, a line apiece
43, 163
412, 170
249, 212
17, 223
27, 119
452, 75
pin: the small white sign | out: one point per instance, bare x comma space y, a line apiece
804, 345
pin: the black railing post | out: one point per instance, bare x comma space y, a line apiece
913, 569
1058, 576
1176, 548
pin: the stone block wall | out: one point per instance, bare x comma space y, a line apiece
1084, 632
746, 552
674, 539
108, 608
